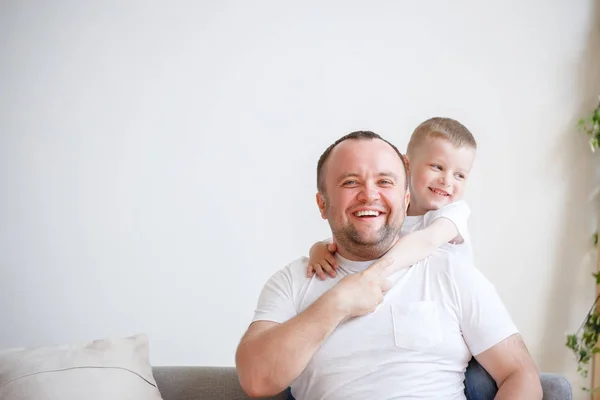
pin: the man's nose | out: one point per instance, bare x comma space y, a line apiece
369, 193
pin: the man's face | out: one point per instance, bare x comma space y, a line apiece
365, 198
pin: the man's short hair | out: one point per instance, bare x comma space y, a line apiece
356, 135
441, 128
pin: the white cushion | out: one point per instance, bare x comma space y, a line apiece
114, 368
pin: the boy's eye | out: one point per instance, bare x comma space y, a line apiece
459, 176
436, 166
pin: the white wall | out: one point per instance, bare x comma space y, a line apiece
157, 163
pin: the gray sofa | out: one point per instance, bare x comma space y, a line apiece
221, 383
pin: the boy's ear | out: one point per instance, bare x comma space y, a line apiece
321, 204
406, 162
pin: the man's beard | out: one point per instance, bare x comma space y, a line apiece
353, 237
348, 237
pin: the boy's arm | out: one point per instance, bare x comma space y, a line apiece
417, 245
321, 259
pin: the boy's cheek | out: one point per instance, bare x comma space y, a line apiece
459, 193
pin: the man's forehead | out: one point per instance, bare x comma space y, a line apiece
365, 155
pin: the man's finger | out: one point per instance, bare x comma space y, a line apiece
386, 285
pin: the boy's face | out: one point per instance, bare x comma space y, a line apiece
438, 174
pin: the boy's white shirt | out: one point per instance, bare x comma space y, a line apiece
458, 212
416, 344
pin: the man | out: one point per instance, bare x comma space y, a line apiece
370, 332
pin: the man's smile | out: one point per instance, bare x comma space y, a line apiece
368, 214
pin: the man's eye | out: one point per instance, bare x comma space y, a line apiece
386, 182
349, 183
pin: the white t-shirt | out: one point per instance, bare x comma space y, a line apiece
458, 212
415, 345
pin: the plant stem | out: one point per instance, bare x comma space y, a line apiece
588, 313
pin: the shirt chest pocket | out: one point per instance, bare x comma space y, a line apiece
417, 325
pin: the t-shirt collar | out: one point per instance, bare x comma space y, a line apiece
353, 266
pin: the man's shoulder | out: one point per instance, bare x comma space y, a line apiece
279, 297
461, 270
298, 267
295, 271
457, 275
300, 262
452, 263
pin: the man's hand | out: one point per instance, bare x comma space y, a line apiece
359, 294
271, 355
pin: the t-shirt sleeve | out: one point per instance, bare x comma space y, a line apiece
484, 319
458, 212
276, 300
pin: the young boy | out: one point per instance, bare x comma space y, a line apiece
440, 155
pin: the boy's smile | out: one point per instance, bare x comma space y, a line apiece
440, 192
438, 174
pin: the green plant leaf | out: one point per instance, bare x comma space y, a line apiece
584, 342
571, 342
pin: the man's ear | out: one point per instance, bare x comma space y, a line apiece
321, 204
406, 201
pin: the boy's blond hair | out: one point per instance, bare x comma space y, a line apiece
441, 128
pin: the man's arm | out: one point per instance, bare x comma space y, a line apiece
492, 336
513, 369
271, 355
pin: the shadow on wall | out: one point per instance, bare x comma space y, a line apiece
578, 171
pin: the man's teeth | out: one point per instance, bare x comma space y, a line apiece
367, 212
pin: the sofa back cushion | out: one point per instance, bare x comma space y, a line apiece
114, 368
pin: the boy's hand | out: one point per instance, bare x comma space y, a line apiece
321, 260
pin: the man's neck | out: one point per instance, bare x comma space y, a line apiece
364, 252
